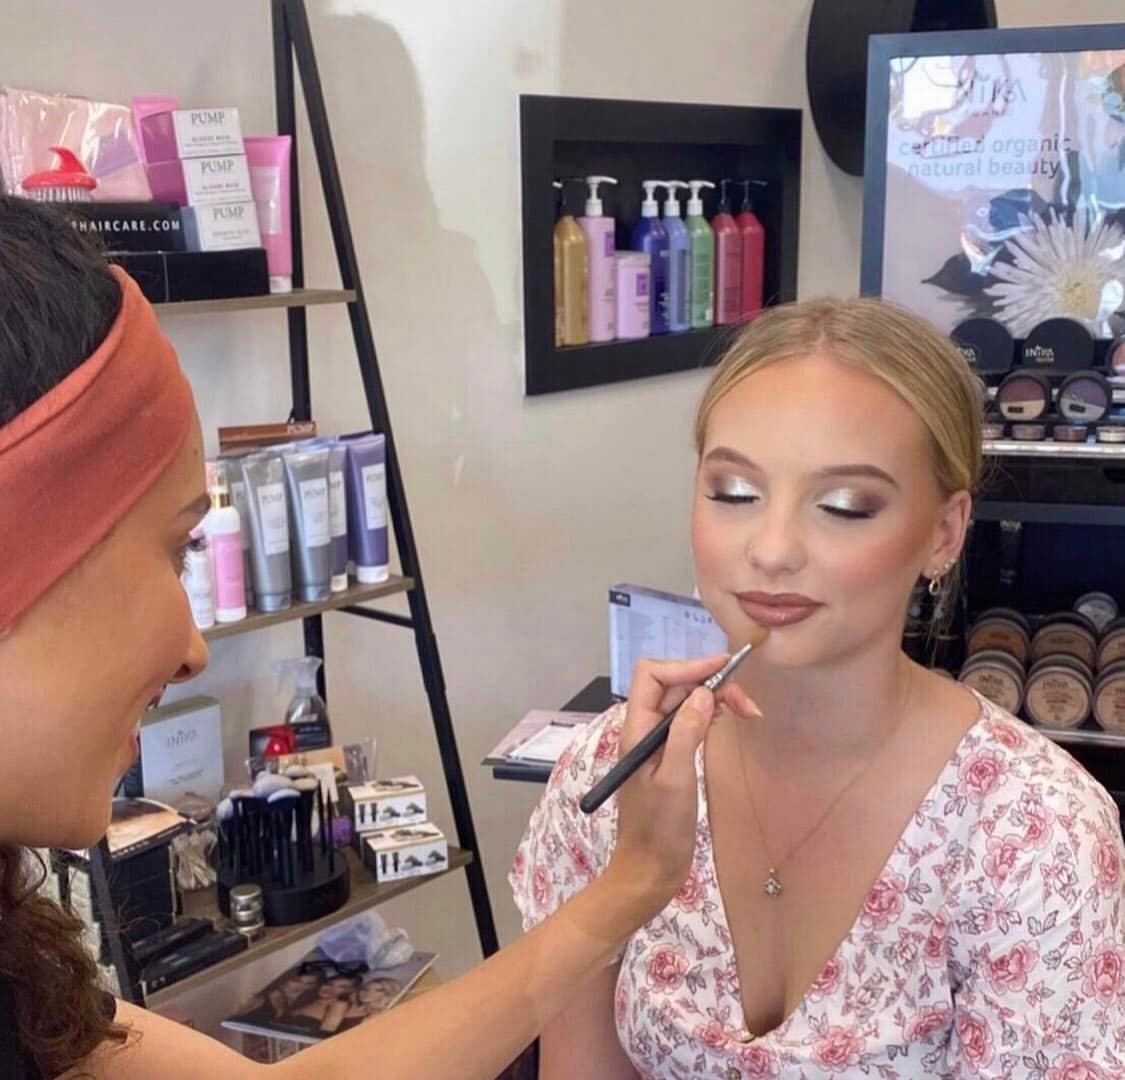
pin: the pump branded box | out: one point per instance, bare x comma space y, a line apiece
659, 625
221, 227
405, 852
191, 133
383, 804
201, 181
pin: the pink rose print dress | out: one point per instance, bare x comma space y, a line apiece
992, 944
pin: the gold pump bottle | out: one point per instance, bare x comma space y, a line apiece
572, 276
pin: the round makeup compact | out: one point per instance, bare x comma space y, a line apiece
1111, 649
1099, 607
1109, 698
1067, 634
1010, 613
1023, 396
1111, 433
999, 633
1070, 433
996, 676
1029, 432
1084, 397
986, 345
1060, 344
1115, 356
1059, 693
991, 430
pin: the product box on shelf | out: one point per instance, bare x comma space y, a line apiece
647, 622
182, 751
382, 804
221, 227
191, 133
166, 276
130, 226
201, 181
405, 852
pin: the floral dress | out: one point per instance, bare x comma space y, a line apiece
991, 945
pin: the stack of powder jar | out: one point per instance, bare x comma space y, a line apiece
1070, 667
1052, 390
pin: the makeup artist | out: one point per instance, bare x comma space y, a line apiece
101, 481
893, 877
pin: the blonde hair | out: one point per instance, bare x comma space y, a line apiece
916, 361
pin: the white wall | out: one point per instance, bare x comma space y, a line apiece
525, 510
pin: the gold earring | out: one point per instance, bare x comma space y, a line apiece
934, 586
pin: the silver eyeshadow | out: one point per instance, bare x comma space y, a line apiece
844, 500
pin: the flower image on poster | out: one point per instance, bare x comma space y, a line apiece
1005, 188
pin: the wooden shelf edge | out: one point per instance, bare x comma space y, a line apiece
365, 895
296, 298
354, 594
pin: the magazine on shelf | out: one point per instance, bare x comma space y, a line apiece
316, 999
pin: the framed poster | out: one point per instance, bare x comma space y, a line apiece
995, 176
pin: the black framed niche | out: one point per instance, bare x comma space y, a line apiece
635, 141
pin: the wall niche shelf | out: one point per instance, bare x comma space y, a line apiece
634, 141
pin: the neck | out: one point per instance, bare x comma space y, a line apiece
840, 711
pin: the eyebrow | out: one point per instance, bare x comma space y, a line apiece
197, 507
733, 457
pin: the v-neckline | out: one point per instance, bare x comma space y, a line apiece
723, 920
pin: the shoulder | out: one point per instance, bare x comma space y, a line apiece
593, 752
1036, 825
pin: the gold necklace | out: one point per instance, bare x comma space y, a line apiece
772, 886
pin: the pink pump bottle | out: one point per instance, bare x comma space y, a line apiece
753, 237
728, 262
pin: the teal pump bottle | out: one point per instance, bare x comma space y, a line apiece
702, 259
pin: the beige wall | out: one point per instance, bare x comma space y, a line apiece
525, 510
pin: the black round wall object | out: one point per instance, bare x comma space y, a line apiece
836, 59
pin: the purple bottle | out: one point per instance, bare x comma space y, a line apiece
649, 235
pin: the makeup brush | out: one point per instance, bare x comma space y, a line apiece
658, 736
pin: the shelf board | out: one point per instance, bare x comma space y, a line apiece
1054, 451
355, 594
1049, 513
1084, 737
366, 893
296, 298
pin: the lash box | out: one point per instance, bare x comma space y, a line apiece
646, 622
131, 226
405, 852
201, 181
191, 133
168, 276
385, 804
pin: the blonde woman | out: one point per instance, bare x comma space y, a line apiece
892, 877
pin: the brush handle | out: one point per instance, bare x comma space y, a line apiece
628, 765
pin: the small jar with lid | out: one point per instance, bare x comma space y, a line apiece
998, 630
1109, 698
996, 675
1059, 692
1067, 633
1111, 648
1099, 607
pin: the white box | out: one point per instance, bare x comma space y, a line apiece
182, 751
383, 804
658, 625
201, 181
188, 133
221, 226
405, 852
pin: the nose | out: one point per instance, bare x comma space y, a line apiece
775, 546
195, 659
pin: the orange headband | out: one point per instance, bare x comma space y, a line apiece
75, 462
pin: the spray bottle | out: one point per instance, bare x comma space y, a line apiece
650, 236
679, 260
572, 274
306, 707
728, 262
753, 237
702, 259
600, 249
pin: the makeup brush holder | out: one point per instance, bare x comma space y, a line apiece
313, 895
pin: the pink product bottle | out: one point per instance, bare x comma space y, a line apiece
601, 247
728, 262
753, 236
224, 535
634, 284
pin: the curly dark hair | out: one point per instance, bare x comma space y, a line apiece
57, 302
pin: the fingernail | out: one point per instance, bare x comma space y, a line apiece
701, 701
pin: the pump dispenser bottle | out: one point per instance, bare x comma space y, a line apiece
728, 262
702, 289
601, 250
572, 275
753, 244
223, 528
650, 236
679, 260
